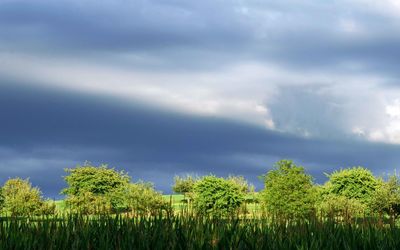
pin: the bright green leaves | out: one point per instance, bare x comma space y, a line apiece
289, 191
217, 196
354, 183
95, 190
21, 199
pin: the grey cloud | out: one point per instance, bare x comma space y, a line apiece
137, 25
309, 111
44, 131
195, 34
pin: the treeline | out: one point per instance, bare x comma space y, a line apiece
289, 194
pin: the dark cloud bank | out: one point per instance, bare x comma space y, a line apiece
207, 34
46, 130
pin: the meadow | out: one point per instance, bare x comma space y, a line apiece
182, 229
178, 202
189, 232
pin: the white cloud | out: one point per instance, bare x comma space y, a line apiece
393, 110
241, 92
355, 97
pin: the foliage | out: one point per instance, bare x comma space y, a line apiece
242, 182
21, 199
386, 198
1, 198
289, 191
340, 207
89, 203
354, 183
97, 180
48, 208
185, 184
217, 196
141, 198
190, 232
93, 189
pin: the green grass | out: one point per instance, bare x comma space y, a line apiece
60, 205
177, 201
189, 232
186, 231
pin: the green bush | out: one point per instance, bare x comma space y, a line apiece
354, 183
217, 196
89, 203
21, 199
185, 184
141, 198
385, 200
340, 207
289, 191
94, 189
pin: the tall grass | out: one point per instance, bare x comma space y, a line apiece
190, 232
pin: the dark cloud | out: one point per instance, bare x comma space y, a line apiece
45, 130
138, 25
206, 34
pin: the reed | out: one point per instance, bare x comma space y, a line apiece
168, 231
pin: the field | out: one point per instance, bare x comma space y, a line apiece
178, 203
189, 232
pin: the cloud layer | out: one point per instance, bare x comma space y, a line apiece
168, 87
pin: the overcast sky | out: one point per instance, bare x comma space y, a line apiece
164, 88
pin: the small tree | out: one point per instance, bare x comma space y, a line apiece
93, 189
184, 185
354, 183
217, 196
21, 199
288, 191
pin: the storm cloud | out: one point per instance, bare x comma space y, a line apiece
160, 88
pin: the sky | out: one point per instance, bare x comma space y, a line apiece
164, 88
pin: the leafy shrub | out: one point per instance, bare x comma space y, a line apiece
289, 191
217, 196
21, 199
386, 199
141, 198
340, 207
354, 183
93, 189
89, 203
184, 185
48, 208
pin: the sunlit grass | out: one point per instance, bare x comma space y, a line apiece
189, 232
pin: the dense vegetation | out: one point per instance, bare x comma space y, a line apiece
191, 232
104, 209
